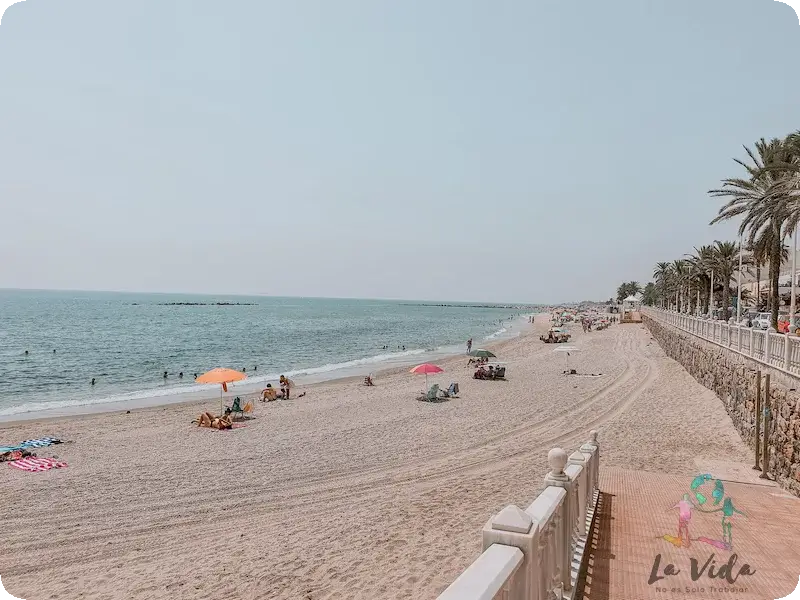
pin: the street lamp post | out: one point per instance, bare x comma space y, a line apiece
711, 297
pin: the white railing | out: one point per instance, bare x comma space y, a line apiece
537, 553
781, 351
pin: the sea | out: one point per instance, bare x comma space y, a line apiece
53, 343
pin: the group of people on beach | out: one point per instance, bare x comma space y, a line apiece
489, 373
269, 393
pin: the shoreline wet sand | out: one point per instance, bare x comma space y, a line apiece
248, 388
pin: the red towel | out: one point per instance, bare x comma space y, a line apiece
33, 464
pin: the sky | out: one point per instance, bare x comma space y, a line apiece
517, 151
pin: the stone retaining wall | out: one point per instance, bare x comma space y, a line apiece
732, 378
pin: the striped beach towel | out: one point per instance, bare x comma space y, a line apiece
33, 464
38, 443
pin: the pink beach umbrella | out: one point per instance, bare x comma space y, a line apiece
426, 368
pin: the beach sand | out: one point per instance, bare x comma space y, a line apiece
349, 492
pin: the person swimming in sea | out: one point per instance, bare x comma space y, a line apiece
180, 375
26, 353
165, 374
92, 380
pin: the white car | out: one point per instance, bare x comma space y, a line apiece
762, 320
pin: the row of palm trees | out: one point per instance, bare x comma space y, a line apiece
766, 197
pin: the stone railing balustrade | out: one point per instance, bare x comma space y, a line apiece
778, 350
537, 553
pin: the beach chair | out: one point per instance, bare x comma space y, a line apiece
432, 394
238, 409
451, 392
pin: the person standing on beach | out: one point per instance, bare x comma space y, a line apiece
286, 386
469, 345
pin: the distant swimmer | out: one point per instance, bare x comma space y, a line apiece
180, 375
26, 353
255, 368
244, 369
195, 375
165, 374
54, 351
92, 380
404, 347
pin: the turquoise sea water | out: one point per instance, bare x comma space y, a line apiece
126, 341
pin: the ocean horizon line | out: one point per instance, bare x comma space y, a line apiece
290, 297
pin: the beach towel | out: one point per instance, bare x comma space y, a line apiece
38, 443
33, 464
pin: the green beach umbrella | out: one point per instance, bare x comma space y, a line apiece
481, 353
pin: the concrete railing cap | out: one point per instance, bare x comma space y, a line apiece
513, 519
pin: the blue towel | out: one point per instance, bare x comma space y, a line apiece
39, 443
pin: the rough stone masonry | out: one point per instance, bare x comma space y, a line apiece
732, 377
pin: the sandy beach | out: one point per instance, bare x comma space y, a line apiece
349, 492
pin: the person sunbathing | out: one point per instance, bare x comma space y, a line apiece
209, 420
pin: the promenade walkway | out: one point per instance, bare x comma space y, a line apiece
636, 524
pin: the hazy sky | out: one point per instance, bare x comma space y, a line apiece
500, 151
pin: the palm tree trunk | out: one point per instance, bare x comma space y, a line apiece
775, 273
758, 286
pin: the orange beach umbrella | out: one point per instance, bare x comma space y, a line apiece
223, 377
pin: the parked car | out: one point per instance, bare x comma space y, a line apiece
762, 320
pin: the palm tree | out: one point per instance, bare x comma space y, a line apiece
725, 262
650, 294
680, 271
758, 257
629, 288
662, 274
634, 288
760, 203
699, 269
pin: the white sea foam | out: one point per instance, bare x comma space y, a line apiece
191, 391
188, 392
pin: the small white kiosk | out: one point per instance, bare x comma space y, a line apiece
630, 310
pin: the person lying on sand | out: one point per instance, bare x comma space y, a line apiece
209, 420
14, 455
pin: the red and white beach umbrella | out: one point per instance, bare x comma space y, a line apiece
425, 369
